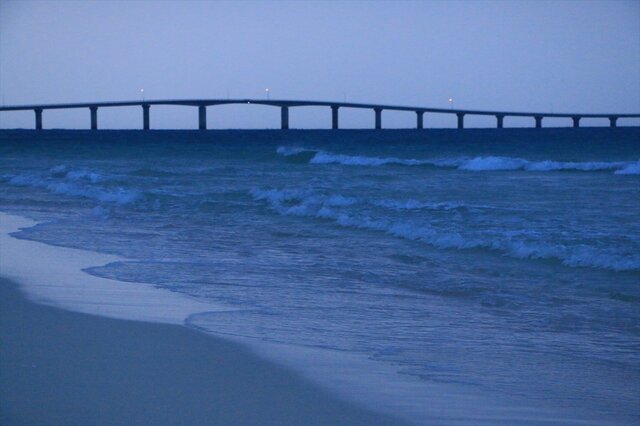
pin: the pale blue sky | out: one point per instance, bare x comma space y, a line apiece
560, 56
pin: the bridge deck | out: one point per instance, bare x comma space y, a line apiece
202, 104
293, 103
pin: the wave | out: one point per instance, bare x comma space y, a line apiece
297, 155
511, 163
349, 160
63, 171
476, 164
631, 169
300, 202
418, 205
316, 156
80, 183
292, 201
305, 203
289, 151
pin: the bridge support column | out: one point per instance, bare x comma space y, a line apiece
334, 116
145, 116
38, 112
378, 112
460, 120
284, 118
538, 121
420, 119
576, 121
613, 121
94, 118
500, 120
202, 117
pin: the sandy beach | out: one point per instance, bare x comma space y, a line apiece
76, 349
238, 277
59, 367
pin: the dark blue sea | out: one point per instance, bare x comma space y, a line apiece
448, 277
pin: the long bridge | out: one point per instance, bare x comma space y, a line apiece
284, 106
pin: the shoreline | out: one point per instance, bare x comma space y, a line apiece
57, 275
58, 279
54, 276
61, 367
79, 349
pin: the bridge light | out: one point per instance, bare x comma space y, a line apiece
142, 93
267, 91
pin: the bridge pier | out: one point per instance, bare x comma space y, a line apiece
285, 105
202, 117
576, 121
145, 116
284, 118
94, 118
38, 112
538, 121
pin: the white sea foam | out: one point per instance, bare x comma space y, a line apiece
630, 169
355, 160
305, 203
55, 276
417, 205
512, 163
62, 171
490, 163
476, 164
289, 151
324, 157
78, 183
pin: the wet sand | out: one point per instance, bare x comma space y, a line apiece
65, 368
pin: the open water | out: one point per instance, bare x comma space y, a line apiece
503, 263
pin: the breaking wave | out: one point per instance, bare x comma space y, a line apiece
349, 160
75, 175
323, 157
305, 203
476, 164
79, 183
631, 169
510, 163
293, 201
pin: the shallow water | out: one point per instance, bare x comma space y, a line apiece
504, 262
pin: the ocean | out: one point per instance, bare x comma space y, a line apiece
486, 276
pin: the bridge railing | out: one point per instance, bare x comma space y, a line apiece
285, 105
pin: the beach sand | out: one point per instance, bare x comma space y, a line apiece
65, 368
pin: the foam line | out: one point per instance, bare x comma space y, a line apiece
55, 276
304, 203
474, 164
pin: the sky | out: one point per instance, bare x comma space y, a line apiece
549, 56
